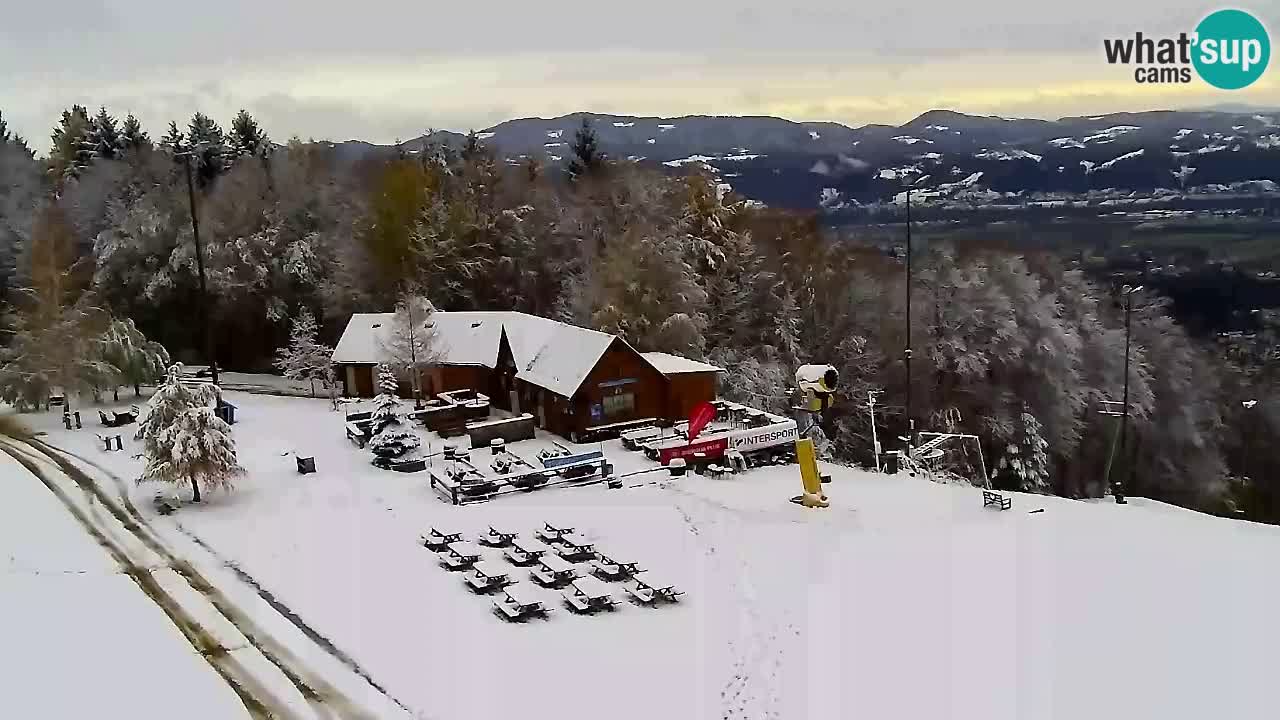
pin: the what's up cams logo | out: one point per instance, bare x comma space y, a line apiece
1229, 50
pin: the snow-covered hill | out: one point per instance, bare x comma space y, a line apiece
905, 599
790, 164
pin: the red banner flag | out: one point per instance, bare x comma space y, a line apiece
702, 414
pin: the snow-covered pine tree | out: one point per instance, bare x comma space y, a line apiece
68, 155
132, 137
392, 435
135, 359
103, 139
304, 358
1026, 461
246, 137
209, 148
183, 440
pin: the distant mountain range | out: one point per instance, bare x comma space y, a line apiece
805, 164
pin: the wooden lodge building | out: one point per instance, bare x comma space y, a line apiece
570, 379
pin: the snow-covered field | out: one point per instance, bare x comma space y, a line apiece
78, 637
905, 599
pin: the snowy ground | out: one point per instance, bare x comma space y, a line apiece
904, 599
78, 637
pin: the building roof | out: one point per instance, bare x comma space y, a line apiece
362, 341
547, 353
669, 364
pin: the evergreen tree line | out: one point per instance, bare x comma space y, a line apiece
1013, 347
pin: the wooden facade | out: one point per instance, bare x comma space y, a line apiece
622, 386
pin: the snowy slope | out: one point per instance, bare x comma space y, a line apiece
905, 599
79, 638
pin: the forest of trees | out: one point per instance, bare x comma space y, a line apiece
1011, 346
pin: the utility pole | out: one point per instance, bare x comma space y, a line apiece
906, 355
1118, 488
871, 414
204, 290
415, 377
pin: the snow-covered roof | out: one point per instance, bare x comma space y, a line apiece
669, 364
553, 355
547, 353
362, 341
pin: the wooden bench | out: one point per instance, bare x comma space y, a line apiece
995, 499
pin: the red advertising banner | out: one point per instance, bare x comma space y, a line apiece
711, 448
702, 414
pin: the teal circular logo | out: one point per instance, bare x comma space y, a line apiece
1231, 49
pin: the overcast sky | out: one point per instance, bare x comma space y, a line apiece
386, 69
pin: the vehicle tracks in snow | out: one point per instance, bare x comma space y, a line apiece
266, 652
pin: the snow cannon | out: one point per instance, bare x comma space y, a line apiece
817, 385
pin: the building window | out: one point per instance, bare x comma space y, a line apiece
621, 404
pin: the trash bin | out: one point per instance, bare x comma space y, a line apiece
677, 466
889, 461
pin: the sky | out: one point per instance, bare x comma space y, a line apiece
379, 70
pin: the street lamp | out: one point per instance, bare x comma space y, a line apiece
1117, 488
204, 291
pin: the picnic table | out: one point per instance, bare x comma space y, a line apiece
588, 595
648, 592
553, 533
461, 555
487, 575
497, 537
438, 540
525, 551
553, 571
609, 569
519, 602
575, 547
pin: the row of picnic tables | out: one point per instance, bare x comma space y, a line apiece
551, 556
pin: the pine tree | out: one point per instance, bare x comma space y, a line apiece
304, 358
387, 384
135, 359
184, 440
1026, 460
11, 140
393, 436
587, 158
246, 138
103, 139
174, 142
132, 137
208, 147
69, 155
